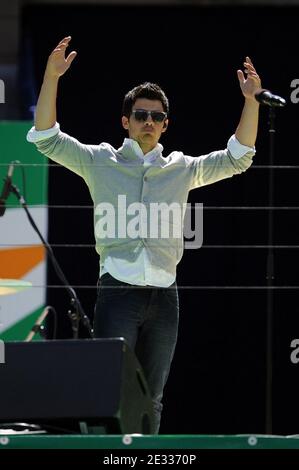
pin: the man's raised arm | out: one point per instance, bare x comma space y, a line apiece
57, 65
46, 134
246, 131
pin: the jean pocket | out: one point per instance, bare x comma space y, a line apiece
171, 295
112, 287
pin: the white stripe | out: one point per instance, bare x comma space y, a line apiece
15, 227
15, 307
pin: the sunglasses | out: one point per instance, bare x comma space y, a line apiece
143, 114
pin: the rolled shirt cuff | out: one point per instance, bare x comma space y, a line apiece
35, 136
236, 149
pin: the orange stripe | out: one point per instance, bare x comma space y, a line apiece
15, 263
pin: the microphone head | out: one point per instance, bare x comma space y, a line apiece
267, 98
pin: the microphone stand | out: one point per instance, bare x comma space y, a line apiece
76, 313
270, 277
265, 97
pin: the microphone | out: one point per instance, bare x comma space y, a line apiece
267, 98
6, 189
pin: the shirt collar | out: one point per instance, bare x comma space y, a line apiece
131, 149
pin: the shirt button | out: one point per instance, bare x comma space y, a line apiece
145, 199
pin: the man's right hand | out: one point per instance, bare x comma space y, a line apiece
45, 112
57, 63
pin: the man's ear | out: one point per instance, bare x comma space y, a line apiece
165, 125
125, 122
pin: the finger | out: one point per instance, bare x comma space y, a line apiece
71, 57
64, 42
253, 74
249, 60
248, 70
66, 39
240, 76
248, 65
63, 45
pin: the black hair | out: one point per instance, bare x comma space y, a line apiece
150, 91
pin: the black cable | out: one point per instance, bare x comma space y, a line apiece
55, 317
75, 302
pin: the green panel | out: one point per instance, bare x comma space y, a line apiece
20, 330
151, 442
13, 146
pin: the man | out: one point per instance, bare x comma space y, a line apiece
137, 295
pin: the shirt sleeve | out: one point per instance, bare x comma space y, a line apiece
36, 136
238, 150
220, 164
64, 149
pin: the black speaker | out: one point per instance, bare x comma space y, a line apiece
67, 383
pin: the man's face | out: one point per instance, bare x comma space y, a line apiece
146, 132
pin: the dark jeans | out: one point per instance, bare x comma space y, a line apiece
147, 317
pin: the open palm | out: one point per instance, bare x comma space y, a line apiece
252, 84
58, 64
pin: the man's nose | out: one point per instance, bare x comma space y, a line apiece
149, 119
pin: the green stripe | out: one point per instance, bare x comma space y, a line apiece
21, 329
13, 146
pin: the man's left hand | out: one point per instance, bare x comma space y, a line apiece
252, 84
